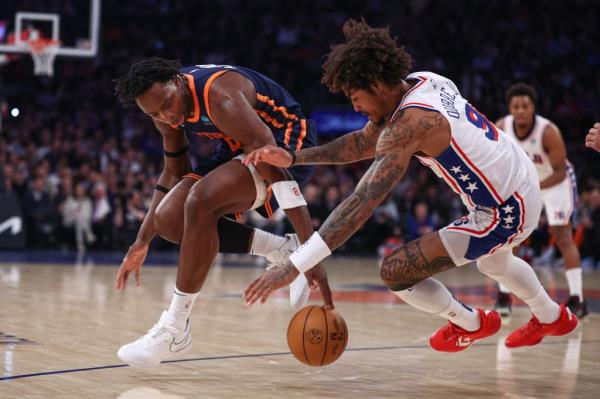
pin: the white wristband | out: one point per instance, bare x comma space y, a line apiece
288, 195
310, 253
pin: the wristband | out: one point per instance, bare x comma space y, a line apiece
310, 253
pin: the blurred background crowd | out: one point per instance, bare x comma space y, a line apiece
84, 169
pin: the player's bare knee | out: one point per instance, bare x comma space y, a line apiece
168, 225
564, 239
200, 207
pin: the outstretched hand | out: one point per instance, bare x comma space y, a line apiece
270, 154
281, 275
133, 262
592, 140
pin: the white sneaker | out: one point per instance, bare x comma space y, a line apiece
162, 342
299, 291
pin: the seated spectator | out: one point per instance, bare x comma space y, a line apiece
40, 215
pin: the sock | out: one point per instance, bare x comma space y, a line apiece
433, 297
519, 277
264, 242
574, 281
544, 308
181, 307
503, 289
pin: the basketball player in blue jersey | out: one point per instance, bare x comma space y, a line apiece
423, 115
244, 110
542, 141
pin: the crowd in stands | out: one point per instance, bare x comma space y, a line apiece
84, 169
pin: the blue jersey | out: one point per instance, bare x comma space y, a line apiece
274, 105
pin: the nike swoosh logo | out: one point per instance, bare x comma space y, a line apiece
184, 343
463, 342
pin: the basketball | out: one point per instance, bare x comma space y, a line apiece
317, 336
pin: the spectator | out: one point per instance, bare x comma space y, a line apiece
77, 213
420, 223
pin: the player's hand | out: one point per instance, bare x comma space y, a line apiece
592, 140
133, 261
317, 277
274, 277
270, 154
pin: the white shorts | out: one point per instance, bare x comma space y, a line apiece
489, 230
559, 200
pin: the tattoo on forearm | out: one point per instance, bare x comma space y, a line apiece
351, 214
407, 265
350, 147
387, 169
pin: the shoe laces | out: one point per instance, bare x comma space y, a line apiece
450, 332
532, 327
160, 332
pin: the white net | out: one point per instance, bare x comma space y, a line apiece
43, 53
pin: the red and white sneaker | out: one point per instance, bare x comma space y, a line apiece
534, 332
452, 338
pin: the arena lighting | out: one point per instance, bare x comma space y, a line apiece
15, 112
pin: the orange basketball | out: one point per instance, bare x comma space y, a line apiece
317, 336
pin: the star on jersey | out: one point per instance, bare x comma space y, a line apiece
464, 177
472, 187
456, 169
508, 209
508, 220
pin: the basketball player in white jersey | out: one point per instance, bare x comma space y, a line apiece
592, 139
424, 115
543, 143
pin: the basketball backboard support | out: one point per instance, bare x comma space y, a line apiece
52, 23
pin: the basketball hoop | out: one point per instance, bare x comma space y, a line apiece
43, 52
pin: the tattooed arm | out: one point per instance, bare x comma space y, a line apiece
394, 148
350, 147
415, 130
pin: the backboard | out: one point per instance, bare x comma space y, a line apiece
75, 24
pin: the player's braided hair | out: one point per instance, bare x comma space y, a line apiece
367, 55
521, 89
142, 76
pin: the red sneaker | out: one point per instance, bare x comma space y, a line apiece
452, 338
533, 332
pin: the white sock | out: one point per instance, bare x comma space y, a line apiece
574, 281
181, 307
503, 289
544, 308
433, 297
263, 242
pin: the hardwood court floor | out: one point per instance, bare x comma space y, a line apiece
61, 326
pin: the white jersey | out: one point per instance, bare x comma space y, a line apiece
532, 144
481, 164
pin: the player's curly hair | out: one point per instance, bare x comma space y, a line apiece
368, 55
521, 89
142, 76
